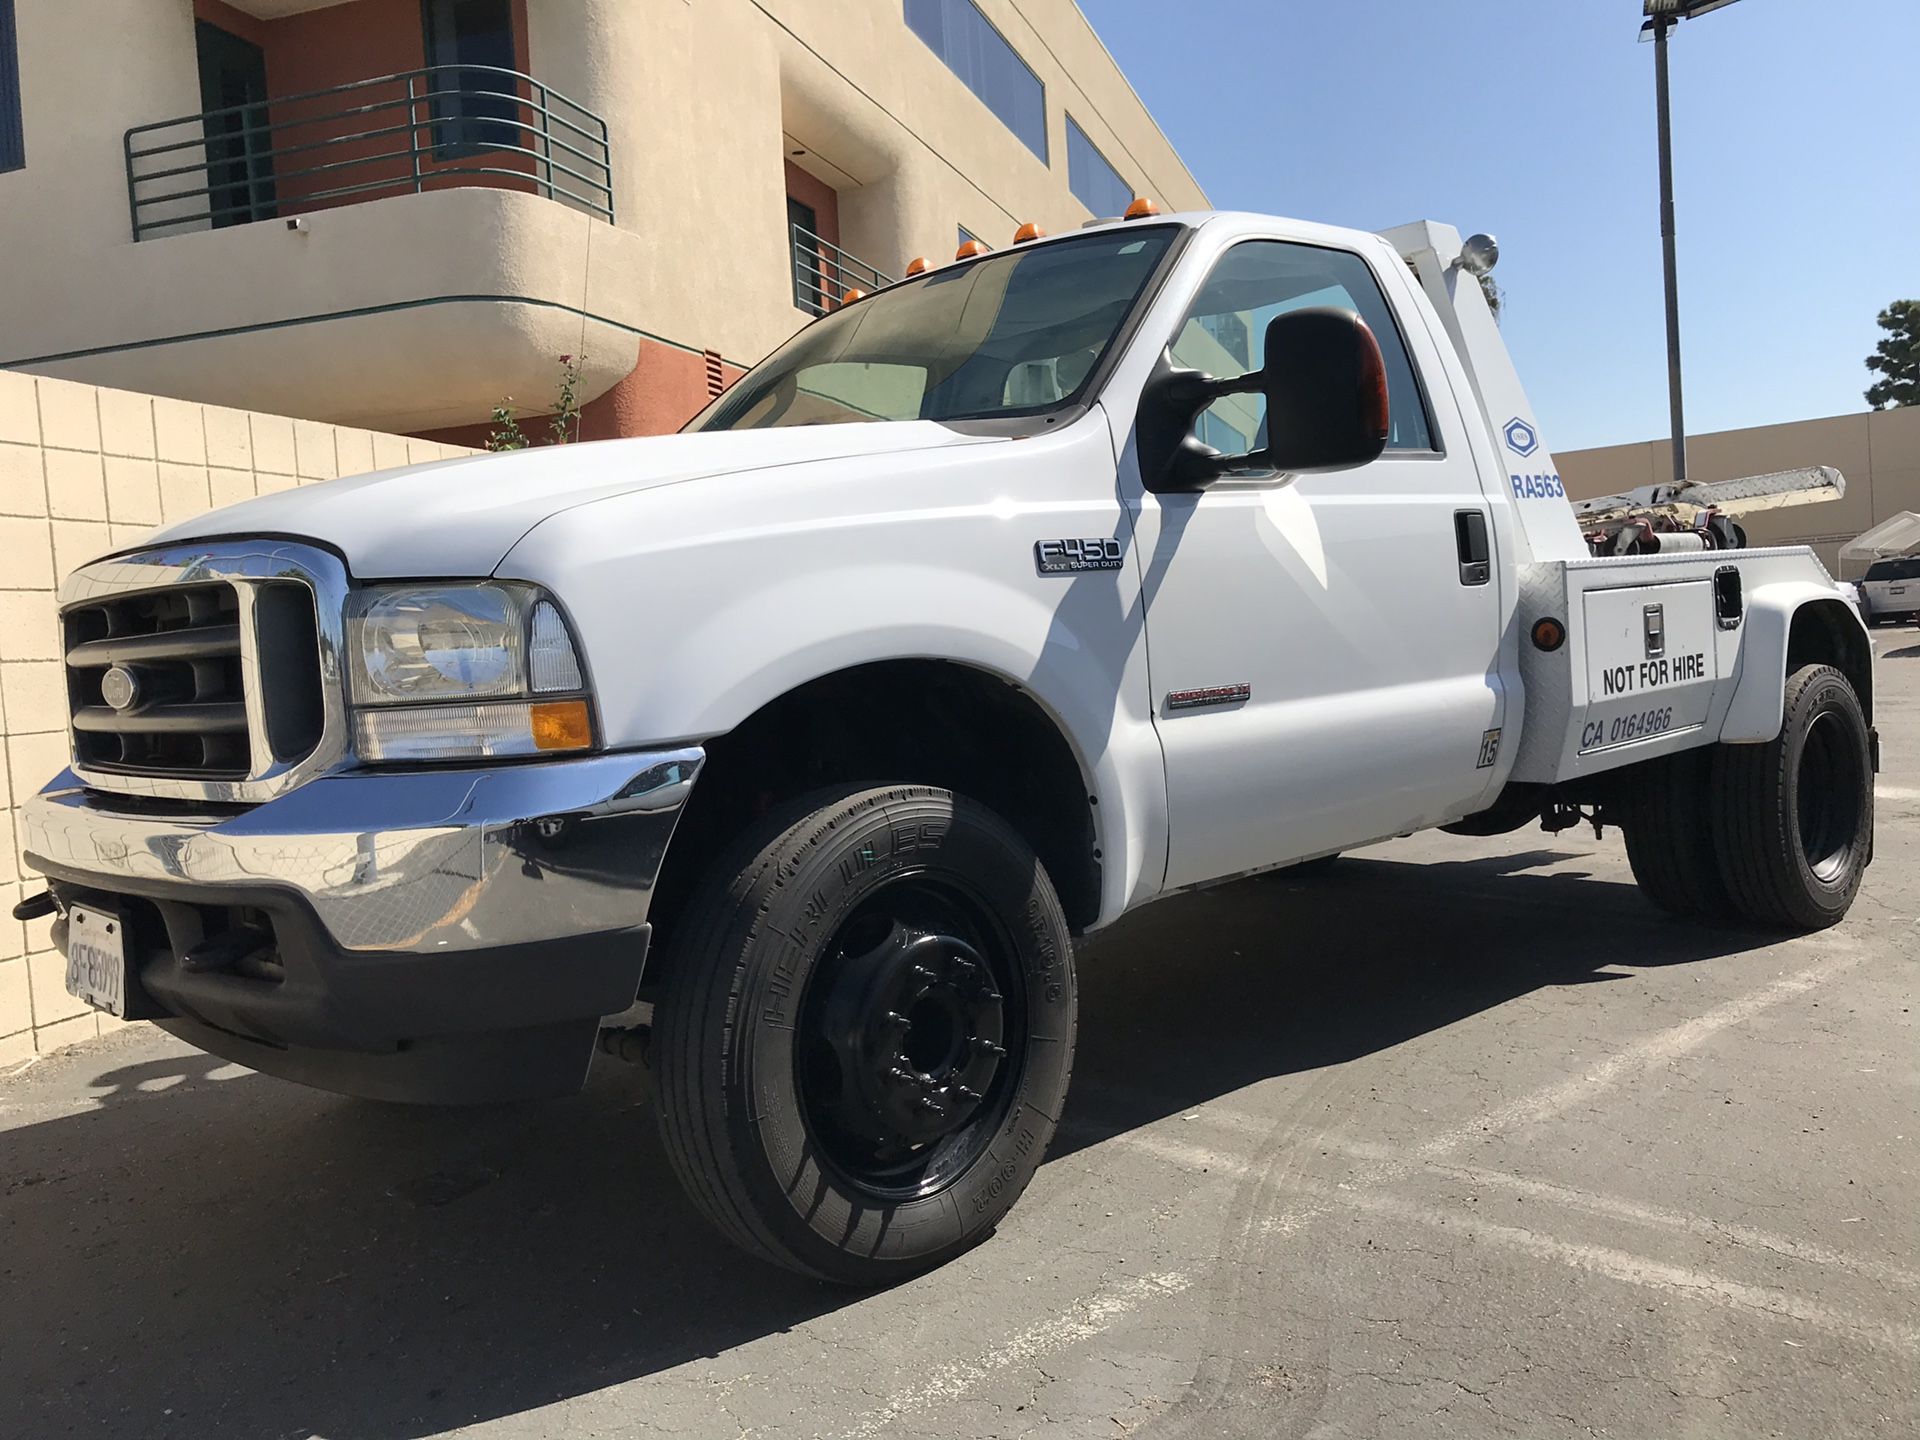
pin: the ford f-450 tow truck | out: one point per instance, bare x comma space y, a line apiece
993, 605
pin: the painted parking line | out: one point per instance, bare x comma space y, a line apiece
1113, 1303
1552, 1101
955, 1381
1611, 1207
1322, 1197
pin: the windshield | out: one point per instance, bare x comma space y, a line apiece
1017, 333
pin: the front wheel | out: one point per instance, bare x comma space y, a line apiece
1793, 818
866, 1032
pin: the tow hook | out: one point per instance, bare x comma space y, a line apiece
631, 1043
35, 906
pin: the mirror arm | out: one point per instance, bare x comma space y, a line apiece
1172, 461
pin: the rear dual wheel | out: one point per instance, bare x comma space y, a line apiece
1777, 834
866, 1033
1794, 817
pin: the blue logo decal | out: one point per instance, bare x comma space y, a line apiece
1521, 438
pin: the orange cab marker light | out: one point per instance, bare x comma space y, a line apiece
970, 249
1548, 634
851, 295
1141, 208
561, 725
1028, 231
917, 265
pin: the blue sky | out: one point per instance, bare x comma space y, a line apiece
1797, 174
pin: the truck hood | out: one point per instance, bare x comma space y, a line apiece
461, 517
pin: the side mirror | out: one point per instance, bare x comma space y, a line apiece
1325, 384
1326, 389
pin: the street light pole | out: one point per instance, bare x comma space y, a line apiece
1662, 16
1661, 26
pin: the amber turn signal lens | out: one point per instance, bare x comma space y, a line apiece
1548, 634
1028, 231
970, 249
1141, 208
561, 725
917, 265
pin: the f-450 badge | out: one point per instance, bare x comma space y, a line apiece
1072, 557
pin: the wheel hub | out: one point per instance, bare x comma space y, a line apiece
916, 1025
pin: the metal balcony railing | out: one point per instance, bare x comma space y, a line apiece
823, 272
433, 129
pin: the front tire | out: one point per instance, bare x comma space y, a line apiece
866, 1032
1794, 817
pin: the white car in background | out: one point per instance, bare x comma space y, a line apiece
1890, 590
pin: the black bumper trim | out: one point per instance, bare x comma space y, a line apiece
371, 1004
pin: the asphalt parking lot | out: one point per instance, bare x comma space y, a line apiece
1460, 1138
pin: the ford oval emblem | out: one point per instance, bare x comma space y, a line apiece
119, 688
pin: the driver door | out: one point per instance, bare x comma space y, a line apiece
1323, 665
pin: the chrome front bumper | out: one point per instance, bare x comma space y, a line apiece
450, 936
424, 861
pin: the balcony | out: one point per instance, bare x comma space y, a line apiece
401, 253
439, 128
823, 273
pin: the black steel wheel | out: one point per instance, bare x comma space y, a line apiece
866, 1032
1793, 818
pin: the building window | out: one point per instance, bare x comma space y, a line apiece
1094, 182
960, 35
13, 147
967, 237
474, 107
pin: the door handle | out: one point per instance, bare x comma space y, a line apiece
1470, 539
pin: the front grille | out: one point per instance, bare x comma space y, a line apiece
177, 661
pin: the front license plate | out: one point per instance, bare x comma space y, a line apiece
97, 959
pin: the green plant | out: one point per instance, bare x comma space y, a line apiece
563, 423
507, 434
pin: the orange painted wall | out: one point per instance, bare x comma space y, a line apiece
824, 199
666, 388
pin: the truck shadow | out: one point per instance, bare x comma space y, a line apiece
1204, 994
195, 1250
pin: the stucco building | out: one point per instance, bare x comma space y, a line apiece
394, 213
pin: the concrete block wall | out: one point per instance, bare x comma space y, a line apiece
85, 470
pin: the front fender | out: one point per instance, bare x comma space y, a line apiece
1757, 708
698, 605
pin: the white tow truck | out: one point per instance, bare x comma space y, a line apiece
992, 606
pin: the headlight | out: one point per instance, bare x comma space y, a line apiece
446, 672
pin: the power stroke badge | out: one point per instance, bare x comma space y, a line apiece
1074, 557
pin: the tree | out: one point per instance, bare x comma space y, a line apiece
1896, 359
1496, 297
